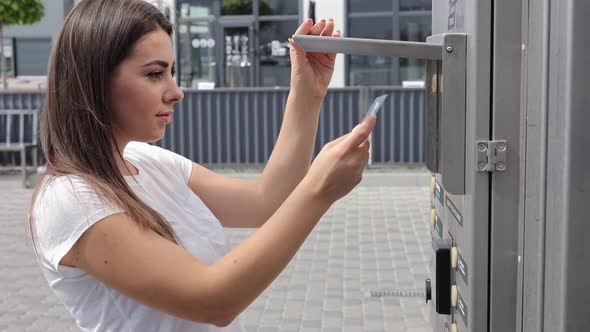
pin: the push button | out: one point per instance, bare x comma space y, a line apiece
433, 217
454, 296
432, 184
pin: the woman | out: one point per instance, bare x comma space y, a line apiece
129, 235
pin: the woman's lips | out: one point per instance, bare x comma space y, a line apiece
166, 118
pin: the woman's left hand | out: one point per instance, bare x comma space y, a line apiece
311, 72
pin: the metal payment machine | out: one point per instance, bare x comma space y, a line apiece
507, 144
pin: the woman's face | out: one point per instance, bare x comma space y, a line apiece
142, 91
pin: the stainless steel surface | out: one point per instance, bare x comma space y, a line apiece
363, 46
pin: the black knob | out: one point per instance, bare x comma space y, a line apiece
428, 290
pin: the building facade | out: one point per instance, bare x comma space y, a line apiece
27, 47
243, 43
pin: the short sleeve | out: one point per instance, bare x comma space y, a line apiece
64, 209
171, 160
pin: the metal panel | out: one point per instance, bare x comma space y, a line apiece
504, 199
466, 217
449, 127
533, 190
567, 272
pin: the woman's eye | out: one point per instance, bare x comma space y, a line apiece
173, 71
156, 74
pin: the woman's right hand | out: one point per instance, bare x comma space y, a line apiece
338, 167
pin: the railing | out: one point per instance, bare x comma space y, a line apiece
240, 126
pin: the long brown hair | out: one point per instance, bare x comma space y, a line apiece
76, 131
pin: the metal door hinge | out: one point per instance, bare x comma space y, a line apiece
491, 156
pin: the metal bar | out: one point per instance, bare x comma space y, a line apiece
362, 46
392, 127
218, 125
281, 18
199, 125
191, 136
21, 129
265, 125
402, 126
411, 131
227, 137
181, 124
421, 128
256, 132
331, 117
209, 128
341, 117
8, 128
246, 125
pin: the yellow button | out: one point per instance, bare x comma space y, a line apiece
454, 328
454, 295
432, 184
433, 217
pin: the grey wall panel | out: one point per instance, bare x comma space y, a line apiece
567, 254
32, 56
533, 191
556, 275
240, 126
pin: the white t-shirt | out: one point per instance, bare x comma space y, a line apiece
68, 206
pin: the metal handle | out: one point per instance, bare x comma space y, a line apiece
362, 46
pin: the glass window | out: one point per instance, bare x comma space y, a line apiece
197, 54
273, 52
370, 70
237, 56
196, 8
365, 6
278, 7
415, 28
236, 7
415, 5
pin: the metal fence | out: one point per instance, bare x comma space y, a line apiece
240, 126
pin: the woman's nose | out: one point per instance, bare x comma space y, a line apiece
175, 94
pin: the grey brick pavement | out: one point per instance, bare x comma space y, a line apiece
375, 239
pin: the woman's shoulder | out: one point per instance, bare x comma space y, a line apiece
62, 184
143, 150
66, 191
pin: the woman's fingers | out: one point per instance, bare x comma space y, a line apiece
328, 29
294, 47
305, 27
317, 28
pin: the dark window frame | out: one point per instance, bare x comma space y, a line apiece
219, 22
395, 16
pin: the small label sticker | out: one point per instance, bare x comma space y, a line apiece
462, 268
439, 192
462, 308
438, 226
454, 211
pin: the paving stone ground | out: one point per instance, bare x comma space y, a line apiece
362, 268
